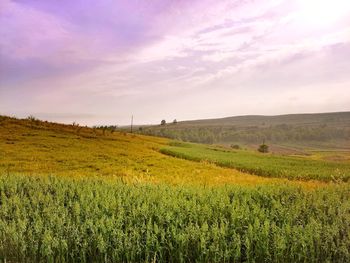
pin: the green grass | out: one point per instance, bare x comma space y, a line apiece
61, 219
269, 165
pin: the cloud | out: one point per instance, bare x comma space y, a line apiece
30, 33
109, 59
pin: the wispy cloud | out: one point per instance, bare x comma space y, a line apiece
178, 59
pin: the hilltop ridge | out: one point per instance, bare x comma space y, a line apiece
342, 118
317, 130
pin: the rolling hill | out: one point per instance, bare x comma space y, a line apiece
30, 146
333, 118
319, 130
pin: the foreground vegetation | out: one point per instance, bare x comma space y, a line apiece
47, 219
302, 168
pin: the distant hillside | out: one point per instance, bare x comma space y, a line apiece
332, 129
334, 118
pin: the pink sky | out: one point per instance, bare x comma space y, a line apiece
99, 62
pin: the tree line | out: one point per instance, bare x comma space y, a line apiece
251, 134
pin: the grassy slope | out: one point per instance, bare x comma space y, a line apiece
303, 168
45, 148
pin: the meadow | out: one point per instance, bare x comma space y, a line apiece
269, 165
43, 148
76, 194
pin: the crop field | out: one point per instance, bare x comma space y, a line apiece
270, 165
90, 220
76, 194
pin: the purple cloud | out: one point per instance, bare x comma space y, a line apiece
105, 60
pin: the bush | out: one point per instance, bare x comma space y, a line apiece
263, 148
32, 118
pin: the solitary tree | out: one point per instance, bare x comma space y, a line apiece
163, 122
263, 148
174, 121
31, 118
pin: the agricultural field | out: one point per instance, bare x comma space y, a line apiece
75, 194
269, 165
60, 219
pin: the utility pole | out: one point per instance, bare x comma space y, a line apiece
132, 122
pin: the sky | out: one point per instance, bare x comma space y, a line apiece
99, 62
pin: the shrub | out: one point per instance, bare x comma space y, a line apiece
31, 118
263, 148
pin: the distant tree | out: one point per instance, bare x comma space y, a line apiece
175, 121
33, 121
263, 148
31, 118
163, 122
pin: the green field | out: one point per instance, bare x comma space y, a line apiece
270, 165
76, 194
50, 219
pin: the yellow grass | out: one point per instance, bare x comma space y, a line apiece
34, 147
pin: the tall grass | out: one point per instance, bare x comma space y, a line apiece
53, 219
